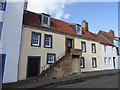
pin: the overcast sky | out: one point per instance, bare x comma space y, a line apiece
100, 16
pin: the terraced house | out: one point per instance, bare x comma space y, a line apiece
46, 40
45, 46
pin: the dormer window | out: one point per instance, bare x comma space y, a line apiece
45, 20
78, 29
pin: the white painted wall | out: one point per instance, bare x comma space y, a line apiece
11, 36
110, 53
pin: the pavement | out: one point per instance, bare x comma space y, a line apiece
41, 83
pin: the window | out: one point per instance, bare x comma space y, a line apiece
2, 5
109, 60
69, 43
105, 60
48, 41
78, 29
104, 48
94, 63
82, 62
45, 20
93, 48
83, 46
51, 58
1, 24
36, 39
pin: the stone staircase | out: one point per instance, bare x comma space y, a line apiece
62, 67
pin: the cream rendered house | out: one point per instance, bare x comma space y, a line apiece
44, 41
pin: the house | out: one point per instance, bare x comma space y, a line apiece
45, 41
109, 50
11, 14
108, 54
90, 60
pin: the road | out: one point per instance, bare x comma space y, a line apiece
101, 82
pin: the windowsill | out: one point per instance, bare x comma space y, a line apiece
47, 47
47, 26
35, 46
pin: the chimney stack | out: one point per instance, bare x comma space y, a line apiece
85, 25
111, 32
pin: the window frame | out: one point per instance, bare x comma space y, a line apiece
53, 54
83, 64
1, 26
110, 60
105, 48
51, 41
95, 62
79, 31
42, 20
3, 8
93, 45
82, 43
105, 58
32, 39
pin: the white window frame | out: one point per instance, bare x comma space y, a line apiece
83, 46
79, 31
94, 64
38, 39
49, 41
105, 48
105, 60
51, 58
82, 59
109, 60
93, 48
42, 21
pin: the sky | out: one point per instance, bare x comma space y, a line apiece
99, 15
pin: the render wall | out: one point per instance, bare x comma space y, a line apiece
11, 35
88, 54
58, 47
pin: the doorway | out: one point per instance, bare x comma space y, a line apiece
69, 44
33, 66
75, 64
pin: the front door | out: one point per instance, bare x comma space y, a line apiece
75, 64
69, 44
33, 68
114, 62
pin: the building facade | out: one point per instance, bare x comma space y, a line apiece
10, 36
39, 41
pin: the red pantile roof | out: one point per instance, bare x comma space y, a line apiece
103, 40
112, 37
32, 19
88, 34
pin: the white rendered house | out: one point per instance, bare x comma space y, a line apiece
11, 15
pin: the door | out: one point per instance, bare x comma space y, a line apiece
75, 64
2, 63
114, 62
33, 68
69, 44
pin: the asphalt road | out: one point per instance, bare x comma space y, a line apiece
101, 82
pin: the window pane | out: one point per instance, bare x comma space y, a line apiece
1, 24
35, 39
50, 58
48, 41
83, 46
82, 62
